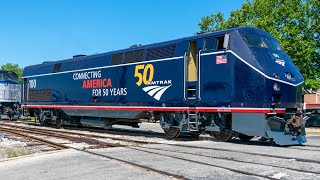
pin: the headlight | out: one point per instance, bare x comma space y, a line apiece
276, 87
289, 76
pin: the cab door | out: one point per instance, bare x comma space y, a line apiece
25, 89
216, 70
192, 70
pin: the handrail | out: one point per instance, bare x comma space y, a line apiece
184, 75
199, 72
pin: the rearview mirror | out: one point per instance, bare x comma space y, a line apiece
226, 41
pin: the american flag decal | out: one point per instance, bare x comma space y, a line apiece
221, 59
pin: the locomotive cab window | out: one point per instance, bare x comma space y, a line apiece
210, 44
7, 75
220, 43
214, 44
273, 44
255, 41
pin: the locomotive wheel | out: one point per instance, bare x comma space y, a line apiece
244, 137
58, 119
172, 132
43, 121
59, 123
222, 136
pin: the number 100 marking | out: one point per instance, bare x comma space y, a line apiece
32, 83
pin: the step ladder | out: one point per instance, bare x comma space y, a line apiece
1, 93
193, 121
192, 92
25, 112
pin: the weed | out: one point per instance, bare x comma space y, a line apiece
16, 152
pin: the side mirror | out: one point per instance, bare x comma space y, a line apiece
226, 41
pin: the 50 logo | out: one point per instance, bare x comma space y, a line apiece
146, 76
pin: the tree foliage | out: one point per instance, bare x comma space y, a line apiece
295, 23
12, 67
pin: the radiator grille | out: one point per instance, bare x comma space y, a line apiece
33, 95
133, 56
45, 95
160, 53
116, 59
57, 68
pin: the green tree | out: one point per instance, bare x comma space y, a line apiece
12, 67
295, 23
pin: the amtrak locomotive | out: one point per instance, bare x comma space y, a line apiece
10, 95
233, 83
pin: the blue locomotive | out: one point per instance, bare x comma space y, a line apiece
233, 83
10, 95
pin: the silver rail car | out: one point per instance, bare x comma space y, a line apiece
10, 95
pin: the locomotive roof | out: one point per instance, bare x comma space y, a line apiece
215, 33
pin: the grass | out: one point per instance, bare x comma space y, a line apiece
16, 152
26, 118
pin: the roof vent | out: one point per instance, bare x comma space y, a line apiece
79, 55
45, 62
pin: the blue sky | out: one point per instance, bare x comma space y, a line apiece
33, 31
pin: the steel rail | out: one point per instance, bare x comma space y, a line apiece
231, 159
13, 131
42, 141
76, 133
206, 164
250, 153
44, 132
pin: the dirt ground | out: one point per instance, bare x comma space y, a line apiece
13, 146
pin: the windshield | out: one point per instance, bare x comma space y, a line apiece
256, 41
7, 75
274, 44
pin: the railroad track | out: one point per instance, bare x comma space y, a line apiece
24, 130
17, 132
305, 148
62, 135
39, 140
97, 130
203, 163
236, 170
230, 159
249, 153
147, 150
52, 132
